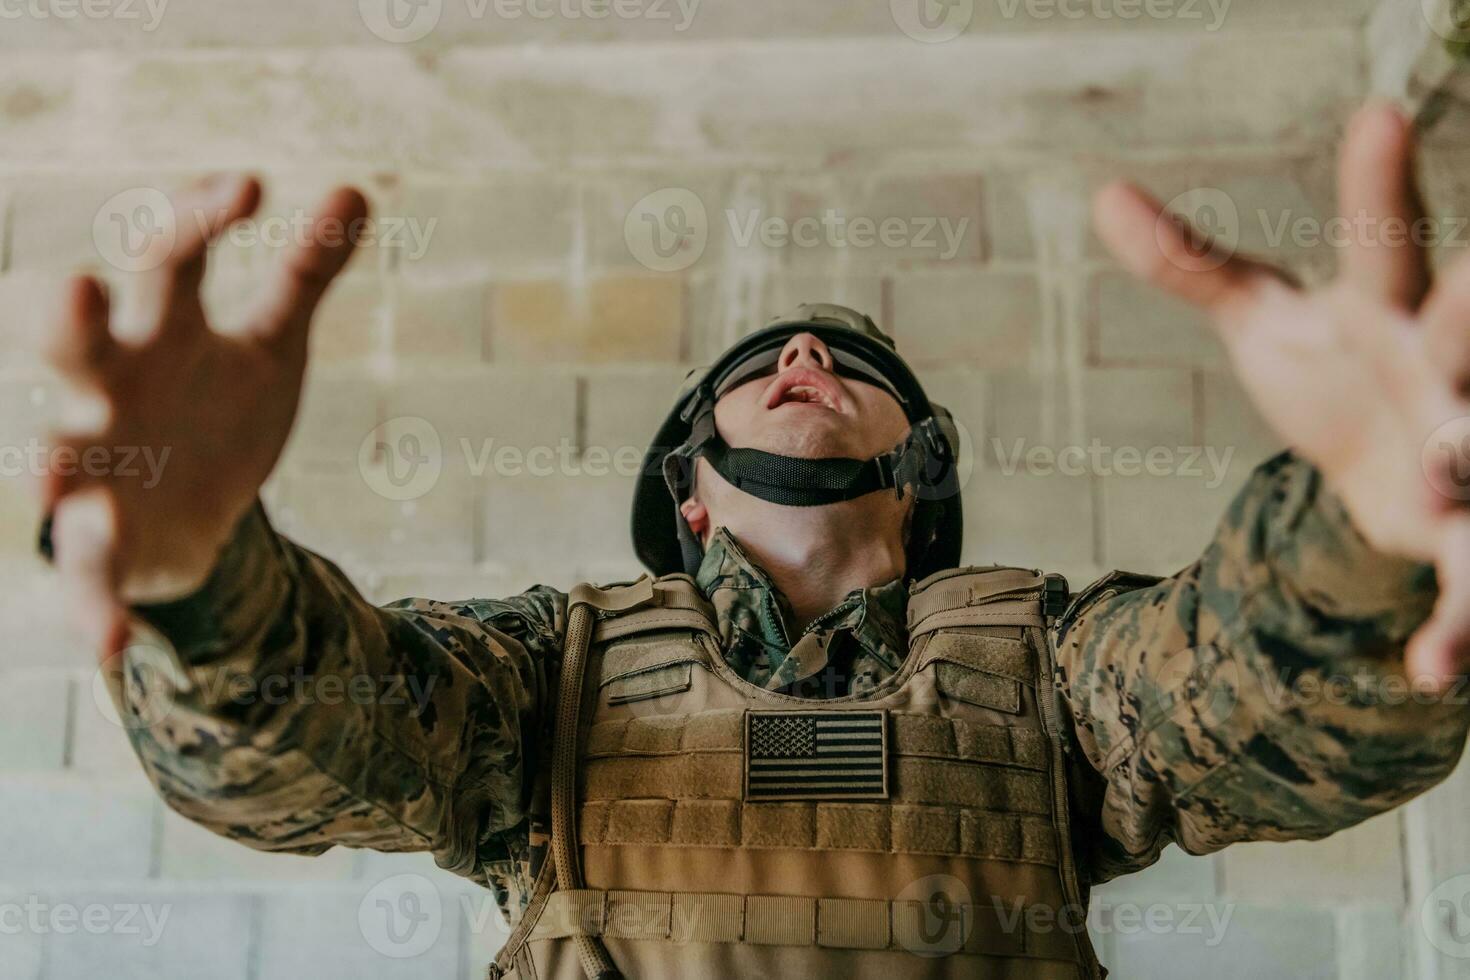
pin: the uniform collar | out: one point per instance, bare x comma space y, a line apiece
849, 649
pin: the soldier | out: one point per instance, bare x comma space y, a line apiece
810, 745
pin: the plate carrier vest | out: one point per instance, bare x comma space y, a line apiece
703, 827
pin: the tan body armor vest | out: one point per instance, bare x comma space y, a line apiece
702, 827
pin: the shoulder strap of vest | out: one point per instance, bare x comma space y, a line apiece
668, 603
995, 596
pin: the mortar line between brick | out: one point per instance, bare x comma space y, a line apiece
155, 856
1197, 391
1099, 518
579, 416
69, 736
7, 229
252, 944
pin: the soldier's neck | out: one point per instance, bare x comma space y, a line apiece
816, 556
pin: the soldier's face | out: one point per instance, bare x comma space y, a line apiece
802, 408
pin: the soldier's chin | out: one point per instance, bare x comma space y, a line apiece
821, 437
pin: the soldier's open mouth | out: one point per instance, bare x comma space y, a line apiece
803, 387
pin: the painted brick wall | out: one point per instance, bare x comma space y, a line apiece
574, 211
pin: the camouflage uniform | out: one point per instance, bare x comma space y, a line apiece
1191, 699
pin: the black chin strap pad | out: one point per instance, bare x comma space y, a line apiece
796, 482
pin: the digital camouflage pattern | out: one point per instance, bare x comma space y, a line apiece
1193, 716
848, 650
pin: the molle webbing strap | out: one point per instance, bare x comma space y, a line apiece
1002, 928
977, 597
564, 846
916, 735
671, 603
641, 656
998, 655
946, 831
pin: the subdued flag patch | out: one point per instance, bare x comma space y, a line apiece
816, 755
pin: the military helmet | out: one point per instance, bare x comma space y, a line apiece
924, 463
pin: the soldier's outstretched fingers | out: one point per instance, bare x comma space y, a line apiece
168, 294
1378, 195
307, 271
70, 467
1441, 648
1163, 249
1446, 322
80, 346
86, 527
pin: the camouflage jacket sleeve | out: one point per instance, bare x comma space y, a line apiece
1257, 695
285, 711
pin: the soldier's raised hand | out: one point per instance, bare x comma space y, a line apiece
214, 409
1366, 377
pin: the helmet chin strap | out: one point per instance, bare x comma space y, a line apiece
793, 481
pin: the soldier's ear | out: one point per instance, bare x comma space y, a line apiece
696, 515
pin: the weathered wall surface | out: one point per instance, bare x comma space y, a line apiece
574, 210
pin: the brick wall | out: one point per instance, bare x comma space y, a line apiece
576, 210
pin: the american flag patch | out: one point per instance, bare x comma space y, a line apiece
816, 755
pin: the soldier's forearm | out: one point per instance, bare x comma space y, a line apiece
292, 714
1259, 694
